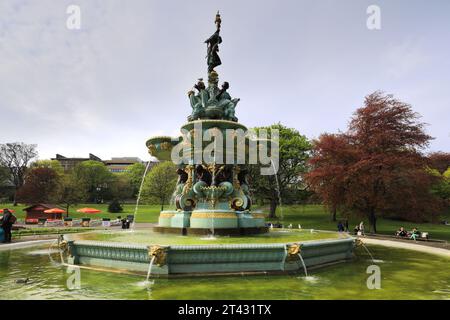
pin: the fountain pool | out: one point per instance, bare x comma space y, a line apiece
405, 275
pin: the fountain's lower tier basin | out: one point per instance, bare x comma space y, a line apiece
217, 259
218, 232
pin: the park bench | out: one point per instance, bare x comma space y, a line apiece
54, 223
406, 239
424, 236
95, 223
76, 223
18, 227
31, 221
115, 223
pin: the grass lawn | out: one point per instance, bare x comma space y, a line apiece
146, 213
309, 216
316, 217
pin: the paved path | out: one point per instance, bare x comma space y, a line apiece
409, 246
144, 225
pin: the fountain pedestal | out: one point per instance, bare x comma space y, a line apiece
208, 195
181, 219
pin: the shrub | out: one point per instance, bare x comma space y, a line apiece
115, 207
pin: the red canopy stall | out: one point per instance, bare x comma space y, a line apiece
37, 212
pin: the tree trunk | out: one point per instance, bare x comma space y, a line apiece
15, 197
273, 208
162, 206
333, 214
372, 221
67, 211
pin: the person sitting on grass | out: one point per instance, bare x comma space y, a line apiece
414, 234
401, 232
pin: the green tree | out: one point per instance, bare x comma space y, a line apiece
115, 207
71, 192
95, 178
446, 185
439, 161
442, 187
5, 193
287, 184
160, 183
134, 173
121, 187
4, 174
16, 157
53, 164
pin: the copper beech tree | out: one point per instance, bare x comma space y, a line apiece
377, 166
40, 185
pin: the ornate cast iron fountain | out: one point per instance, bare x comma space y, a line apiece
209, 196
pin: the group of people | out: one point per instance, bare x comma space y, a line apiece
7, 221
126, 222
413, 234
358, 230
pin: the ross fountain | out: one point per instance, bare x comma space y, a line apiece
211, 198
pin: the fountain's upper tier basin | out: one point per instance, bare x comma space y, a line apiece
198, 135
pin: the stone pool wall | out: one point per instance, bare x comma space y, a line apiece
209, 259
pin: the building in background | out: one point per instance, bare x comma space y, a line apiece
115, 165
69, 163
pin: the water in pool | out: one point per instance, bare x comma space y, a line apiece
149, 237
405, 275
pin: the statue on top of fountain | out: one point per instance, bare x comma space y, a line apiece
211, 102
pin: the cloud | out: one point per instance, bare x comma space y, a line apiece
403, 58
123, 77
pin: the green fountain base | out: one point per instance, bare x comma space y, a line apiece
207, 221
274, 252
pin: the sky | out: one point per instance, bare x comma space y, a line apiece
124, 75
